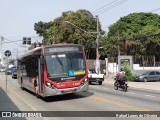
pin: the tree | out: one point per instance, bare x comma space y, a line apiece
59, 31
135, 33
41, 28
11, 61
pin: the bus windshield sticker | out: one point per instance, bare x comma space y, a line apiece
79, 72
68, 78
70, 72
62, 79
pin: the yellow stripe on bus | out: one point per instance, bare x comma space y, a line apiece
79, 72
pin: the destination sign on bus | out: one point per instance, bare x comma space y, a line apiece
63, 49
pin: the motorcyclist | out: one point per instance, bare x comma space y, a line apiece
121, 77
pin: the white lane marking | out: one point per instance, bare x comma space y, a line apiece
149, 96
131, 93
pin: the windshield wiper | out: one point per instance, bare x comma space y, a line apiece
60, 62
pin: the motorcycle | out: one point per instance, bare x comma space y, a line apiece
120, 84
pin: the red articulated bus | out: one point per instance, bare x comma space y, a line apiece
53, 70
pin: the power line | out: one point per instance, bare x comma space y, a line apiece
155, 10
9, 41
13, 42
104, 6
108, 7
113, 6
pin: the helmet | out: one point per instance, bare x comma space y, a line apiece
121, 69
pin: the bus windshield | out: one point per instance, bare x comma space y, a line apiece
65, 65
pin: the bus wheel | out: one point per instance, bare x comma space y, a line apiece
22, 85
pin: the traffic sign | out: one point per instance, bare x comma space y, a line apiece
7, 53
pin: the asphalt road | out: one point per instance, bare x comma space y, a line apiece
98, 98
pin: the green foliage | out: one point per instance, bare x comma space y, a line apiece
11, 61
141, 29
129, 75
73, 31
41, 28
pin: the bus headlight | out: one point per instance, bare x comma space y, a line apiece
50, 85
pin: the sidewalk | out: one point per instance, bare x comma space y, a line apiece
143, 85
11, 101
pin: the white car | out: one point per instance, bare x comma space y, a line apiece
2, 69
94, 77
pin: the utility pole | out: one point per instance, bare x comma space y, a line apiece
97, 65
97, 39
119, 51
2, 38
97, 62
16, 53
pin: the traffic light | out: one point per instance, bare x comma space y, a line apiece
26, 41
29, 41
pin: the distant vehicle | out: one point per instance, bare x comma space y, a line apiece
14, 74
9, 70
2, 69
94, 77
148, 76
10, 66
120, 83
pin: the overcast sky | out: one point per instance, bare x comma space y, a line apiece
17, 17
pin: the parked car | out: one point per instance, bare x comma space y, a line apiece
149, 76
14, 74
2, 69
9, 70
94, 77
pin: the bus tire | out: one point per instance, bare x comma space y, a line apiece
22, 85
36, 92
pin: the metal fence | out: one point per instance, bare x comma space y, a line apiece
147, 61
141, 63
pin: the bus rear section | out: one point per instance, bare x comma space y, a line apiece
56, 70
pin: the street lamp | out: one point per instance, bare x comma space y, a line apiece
97, 62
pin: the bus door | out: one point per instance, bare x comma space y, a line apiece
40, 74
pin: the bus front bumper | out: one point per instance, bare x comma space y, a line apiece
54, 91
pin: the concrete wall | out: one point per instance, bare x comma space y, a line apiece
113, 68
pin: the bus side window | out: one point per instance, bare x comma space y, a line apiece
32, 67
22, 66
